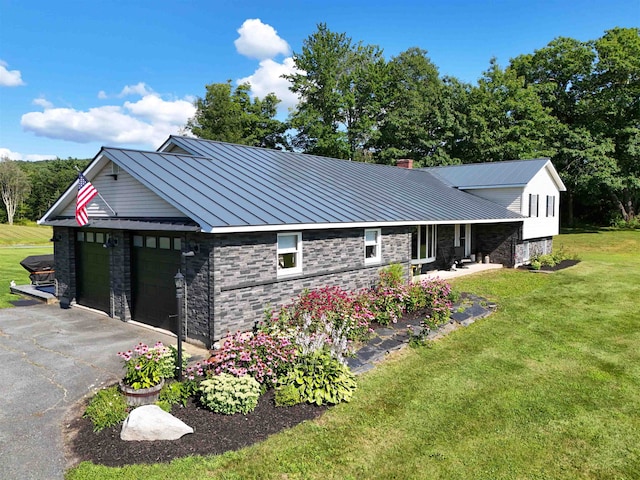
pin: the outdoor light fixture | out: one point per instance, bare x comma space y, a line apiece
179, 282
56, 238
110, 243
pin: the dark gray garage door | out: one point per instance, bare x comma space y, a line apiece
92, 270
154, 264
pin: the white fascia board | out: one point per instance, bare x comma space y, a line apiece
325, 226
556, 177
97, 163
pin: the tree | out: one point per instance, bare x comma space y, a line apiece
339, 90
232, 116
14, 186
418, 119
506, 119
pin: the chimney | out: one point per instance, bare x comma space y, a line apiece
404, 163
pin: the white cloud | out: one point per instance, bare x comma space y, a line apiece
139, 89
259, 40
9, 78
147, 122
268, 78
43, 102
102, 95
5, 152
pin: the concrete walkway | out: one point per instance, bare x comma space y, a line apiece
51, 358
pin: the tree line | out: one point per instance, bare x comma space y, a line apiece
575, 102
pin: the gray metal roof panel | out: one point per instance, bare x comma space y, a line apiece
225, 185
478, 175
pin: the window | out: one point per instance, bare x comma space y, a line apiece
89, 236
423, 244
80, 236
99, 237
289, 253
177, 244
372, 245
533, 205
164, 243
525, 251
551, 206
150, 242
138, 241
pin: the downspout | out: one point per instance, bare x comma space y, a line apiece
212, 297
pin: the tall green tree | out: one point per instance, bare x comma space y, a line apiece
14, 186
615, 111
506, 119
338, 86
418, 120
230, 115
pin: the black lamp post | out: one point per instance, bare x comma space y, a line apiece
179, 281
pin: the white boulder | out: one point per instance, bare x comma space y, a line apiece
150, 422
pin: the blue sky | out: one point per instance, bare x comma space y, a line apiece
76, 75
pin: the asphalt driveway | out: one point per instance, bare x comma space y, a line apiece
50, 358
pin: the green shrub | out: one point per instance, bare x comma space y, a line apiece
287, 395
392, 276
107, 408
227, 394
321, 379
173, 393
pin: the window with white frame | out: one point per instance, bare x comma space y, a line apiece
551, 206
423, 244
533, 205
289, 253
372, 245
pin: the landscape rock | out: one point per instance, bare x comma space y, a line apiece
150, 422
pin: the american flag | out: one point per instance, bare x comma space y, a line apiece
86, 192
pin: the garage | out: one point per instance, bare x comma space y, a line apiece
155, 260
92, 270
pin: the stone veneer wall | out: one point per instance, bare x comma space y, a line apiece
497, 240
245, 272
64, 264
538, 246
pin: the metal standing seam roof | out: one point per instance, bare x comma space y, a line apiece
512, 173
224, 185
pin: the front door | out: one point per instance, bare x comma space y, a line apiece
463, 238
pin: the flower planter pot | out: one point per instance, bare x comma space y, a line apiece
141, 396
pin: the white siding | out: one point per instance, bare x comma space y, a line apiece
541, 184
510, 197
127, 196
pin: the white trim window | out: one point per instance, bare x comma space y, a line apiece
533, 205
551, 206
289, 253
423, 244
372, 246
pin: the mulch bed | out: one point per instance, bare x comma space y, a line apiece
559, 266
213, 434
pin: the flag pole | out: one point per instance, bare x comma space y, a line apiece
105, 202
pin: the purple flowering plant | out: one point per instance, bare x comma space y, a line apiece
146, 366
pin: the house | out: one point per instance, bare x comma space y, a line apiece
249, 227
529, 187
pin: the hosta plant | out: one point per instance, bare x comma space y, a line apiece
227, 394
319, 378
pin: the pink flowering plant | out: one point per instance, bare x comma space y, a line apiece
434, 298
147, 366
263, 356
312, 310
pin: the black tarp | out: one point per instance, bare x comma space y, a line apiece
41, 269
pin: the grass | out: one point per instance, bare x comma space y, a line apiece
548, 387
11, 235
10, 269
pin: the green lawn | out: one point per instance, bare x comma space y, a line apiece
10, 269
24, 235
546, 388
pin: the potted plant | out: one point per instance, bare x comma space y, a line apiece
146, 368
